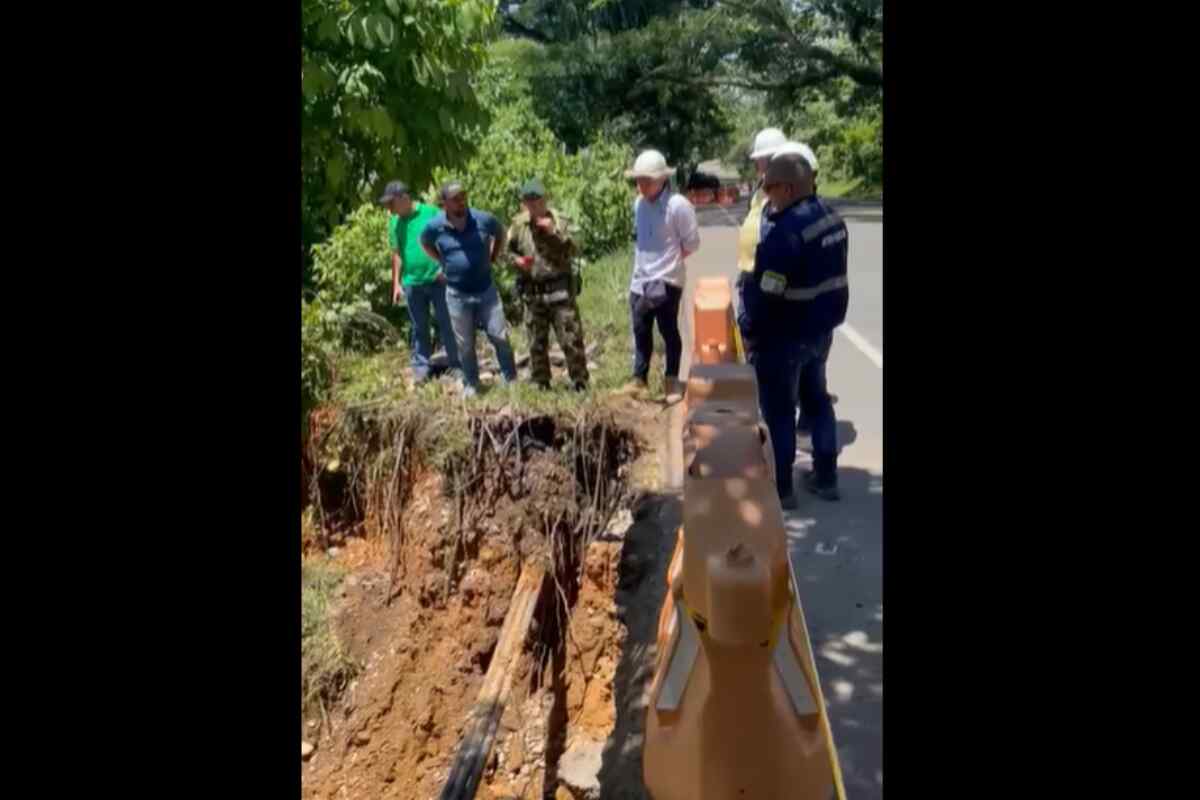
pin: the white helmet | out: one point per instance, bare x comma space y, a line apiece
799, 148
766, 141
650, 164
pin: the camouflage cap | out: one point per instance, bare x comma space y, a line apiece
533, 188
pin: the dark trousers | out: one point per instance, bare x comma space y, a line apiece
813, 374
786, 371
667, 317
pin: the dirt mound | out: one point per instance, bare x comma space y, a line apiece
422, 617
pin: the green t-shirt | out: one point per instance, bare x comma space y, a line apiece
404, 236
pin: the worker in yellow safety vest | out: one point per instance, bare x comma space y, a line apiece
765, 143
768, 142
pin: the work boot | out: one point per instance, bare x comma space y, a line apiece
823, 485
674, 390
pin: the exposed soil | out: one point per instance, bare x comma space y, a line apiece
424, 645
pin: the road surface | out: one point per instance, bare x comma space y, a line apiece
836, 548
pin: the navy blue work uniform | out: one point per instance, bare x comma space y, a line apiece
797, 294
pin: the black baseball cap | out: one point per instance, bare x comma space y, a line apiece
394, 189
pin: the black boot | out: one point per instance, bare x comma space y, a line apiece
822, 480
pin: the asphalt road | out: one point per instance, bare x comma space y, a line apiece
837, 548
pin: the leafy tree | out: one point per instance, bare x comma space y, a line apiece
551, 21
786, 48
386, 92
600, 85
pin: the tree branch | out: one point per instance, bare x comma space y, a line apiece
662, 75
865, 74
775, 18
511, 25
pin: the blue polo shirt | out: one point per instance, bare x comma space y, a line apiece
465, 255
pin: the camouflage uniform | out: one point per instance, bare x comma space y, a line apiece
549, 292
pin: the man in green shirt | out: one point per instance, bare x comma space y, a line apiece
418, 276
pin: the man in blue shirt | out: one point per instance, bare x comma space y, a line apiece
464, 242
797, 294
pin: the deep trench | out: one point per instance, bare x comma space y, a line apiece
501, 464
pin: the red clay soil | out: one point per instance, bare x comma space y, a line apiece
395, 731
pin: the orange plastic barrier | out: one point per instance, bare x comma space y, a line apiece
735, 705
712, 331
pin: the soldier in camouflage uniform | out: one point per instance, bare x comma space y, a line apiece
540, 246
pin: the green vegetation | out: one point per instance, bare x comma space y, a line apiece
325, 668
385, 93
698, 78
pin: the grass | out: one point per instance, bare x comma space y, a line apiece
852, 189
325, 668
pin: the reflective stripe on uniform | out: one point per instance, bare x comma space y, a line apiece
820, 226
772, 283
830, 285
834, 238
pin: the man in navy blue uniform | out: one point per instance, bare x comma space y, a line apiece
795, 297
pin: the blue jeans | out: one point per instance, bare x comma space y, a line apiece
419, 298
483, 310
785, 370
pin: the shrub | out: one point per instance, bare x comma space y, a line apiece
354, 264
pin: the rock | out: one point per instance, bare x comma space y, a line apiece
487, 376
432, 588
489, 556
579, 769
476, 583
596, 563
618, 526
333, 551
312, 723
352, 581
497, 611
306, 750
593, 366
362, 738
562, 793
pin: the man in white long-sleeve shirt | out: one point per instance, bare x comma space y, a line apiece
667, 233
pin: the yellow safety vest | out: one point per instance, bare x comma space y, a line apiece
748, 235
